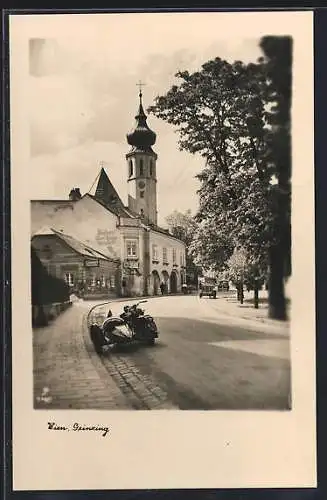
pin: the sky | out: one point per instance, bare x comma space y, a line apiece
83, 97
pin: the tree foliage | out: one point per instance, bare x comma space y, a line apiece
181, 225
245, 269
237, 116
45, 288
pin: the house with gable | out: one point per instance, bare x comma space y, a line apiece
137, 254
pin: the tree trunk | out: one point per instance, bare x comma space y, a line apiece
241, 292
277, 302
256, 296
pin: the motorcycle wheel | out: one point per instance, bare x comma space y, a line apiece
97, 339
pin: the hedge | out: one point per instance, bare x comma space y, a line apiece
46, 289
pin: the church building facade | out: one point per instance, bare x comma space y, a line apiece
141, 255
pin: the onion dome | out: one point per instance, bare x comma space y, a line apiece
142, 137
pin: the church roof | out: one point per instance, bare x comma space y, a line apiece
107, 195
142, 137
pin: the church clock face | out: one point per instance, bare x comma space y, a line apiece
141, 185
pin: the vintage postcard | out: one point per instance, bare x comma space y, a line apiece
162, 179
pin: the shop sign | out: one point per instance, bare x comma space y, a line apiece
131, 264
91, 263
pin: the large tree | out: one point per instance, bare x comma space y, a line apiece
183, 226
234, 116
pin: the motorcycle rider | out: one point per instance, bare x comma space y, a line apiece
126, 314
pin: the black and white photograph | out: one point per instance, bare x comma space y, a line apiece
186, 207
160, 183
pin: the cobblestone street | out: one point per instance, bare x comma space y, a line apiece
204, 359
72, 373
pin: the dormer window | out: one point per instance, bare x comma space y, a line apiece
130, 168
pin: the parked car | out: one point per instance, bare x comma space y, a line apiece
208, 289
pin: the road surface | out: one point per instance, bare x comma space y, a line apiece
204, 359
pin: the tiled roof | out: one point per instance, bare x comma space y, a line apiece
76, 245
120, 211
159, 229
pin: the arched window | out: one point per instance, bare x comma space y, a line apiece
130, 168
141, 167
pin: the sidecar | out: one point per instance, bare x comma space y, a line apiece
113, 331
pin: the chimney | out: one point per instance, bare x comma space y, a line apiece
75, 194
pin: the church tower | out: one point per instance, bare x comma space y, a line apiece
141, 169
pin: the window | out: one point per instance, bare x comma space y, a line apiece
181, 259
141, 167
130, 168
164, 255
69, 278
174, 255
155, 255
131, 248
151, 168
141, 194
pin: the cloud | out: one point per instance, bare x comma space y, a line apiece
85, 92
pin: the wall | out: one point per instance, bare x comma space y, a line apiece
161, 240
48, 213
149, 203
64, 260
85, 219
134, 279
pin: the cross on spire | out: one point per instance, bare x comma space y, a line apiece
140, 85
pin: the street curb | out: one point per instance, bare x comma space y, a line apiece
136, 299
96, 361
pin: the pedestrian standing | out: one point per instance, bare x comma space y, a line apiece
162, 288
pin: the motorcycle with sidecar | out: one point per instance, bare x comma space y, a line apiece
132, 326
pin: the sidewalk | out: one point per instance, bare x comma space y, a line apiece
229, 305
67, 375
